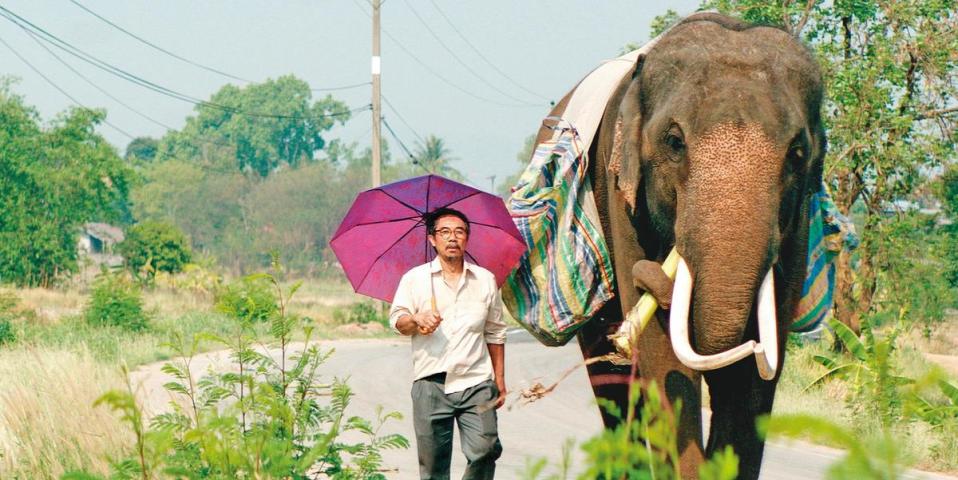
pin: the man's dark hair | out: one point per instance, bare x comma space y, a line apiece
434, 216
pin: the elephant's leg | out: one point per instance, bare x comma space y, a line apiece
609, 381
657, 362
739, 396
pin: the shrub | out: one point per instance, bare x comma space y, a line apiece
360, 312
152, 247
252, 299
117, 301
871, 371
8, 301
7, 334
644, 445
268, 416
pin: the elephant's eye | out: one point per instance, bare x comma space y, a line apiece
797, 152
674, 138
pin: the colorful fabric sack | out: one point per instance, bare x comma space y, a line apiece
828, 233
566, 274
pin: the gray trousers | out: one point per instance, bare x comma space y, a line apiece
433, 415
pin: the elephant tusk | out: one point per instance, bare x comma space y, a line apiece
766, 352
679, 329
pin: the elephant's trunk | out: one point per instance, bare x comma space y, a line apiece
765, 351
727, 232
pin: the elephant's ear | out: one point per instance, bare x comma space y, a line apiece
624, 163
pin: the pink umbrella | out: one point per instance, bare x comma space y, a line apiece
384, 233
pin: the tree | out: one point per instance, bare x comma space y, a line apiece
53, 179
141, 149
890, 112
265, 126
155, 247
435, 157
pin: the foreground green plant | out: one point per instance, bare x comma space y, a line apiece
643, 446
866, 459
262, 419
870, 370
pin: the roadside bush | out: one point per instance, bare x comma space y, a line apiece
7, 334
268, 416
116, 300
8, 301
360, 312
152, 247
253, 299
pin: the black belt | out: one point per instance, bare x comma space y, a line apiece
436, 377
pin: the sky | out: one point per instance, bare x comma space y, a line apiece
478, 74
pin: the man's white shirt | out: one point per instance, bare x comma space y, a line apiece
471, 317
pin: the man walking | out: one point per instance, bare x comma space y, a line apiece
452, 310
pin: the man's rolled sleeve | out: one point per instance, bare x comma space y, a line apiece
495, 330
402, 302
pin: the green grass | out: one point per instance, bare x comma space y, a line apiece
53, 319
926, 447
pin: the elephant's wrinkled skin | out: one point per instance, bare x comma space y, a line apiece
721, 145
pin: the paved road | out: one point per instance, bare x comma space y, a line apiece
380, 373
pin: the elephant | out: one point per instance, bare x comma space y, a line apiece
714, 145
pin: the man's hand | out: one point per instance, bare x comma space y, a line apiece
502, 394
427, 321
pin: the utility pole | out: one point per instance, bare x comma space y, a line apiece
377, 106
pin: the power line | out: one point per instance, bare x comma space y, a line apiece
402, 145
403, 120
483, 57
202, 140
61, 90
437, 74
93, 84
86, 57
187, 60
461, 62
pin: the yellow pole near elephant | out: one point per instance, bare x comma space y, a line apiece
626, 339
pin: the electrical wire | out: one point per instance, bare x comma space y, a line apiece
459, 60
402, 145
116, 71
187, 60
483, 57
102, 90
94, 84
437, 74
403, 120
61, 90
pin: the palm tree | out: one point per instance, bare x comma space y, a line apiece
436, 158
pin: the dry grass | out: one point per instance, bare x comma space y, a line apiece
48, 424
927, 447
51, 305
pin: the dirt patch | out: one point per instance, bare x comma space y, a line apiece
360, 329
948, 362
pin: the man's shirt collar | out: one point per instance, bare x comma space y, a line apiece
435, 266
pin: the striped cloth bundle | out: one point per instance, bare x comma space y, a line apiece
566, 274
828, 233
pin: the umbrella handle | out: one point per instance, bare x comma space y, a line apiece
432, 289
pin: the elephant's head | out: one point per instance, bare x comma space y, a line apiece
720, 141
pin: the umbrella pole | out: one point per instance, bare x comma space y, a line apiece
432, 288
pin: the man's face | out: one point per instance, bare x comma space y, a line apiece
450, 237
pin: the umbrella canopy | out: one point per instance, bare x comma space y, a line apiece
384, 232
